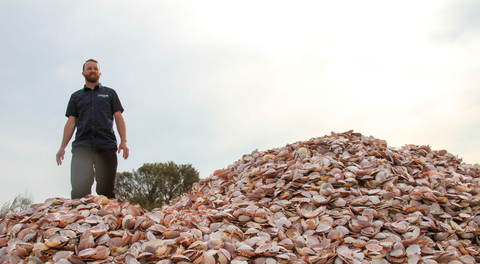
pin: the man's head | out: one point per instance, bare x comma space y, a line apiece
91, 71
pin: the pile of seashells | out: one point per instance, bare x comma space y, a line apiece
341, 198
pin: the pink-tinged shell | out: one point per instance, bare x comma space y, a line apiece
67, 219
229, 247
429, 261
68, 233
261, 248
386, 243
374, 247
93, 220
99, 229
179, 257
157, 229
411, 237
62, 255
292, 233
321, 199
193, 255
398, 251
8, 258
101, 200
40, 247
214, 243
128, 222
144, 255
168, 220
16, 228
162, 250
50, 232
312, 240
309, 210
127, 236
117, 251
260, 219
208, 258
468, 259
360, 243
358, 224
327, 220
157, 217
223, 253
114, 242
398, 260
283, 221
134, 210
103, 239
23, 249
258, 194
246, 253
171, 234
137, 236
311, 223
335, 234
323, 228
86, 242
368, 231
413, 249
33, 260
345, 253
251, 231
146, 224
101, 252
244, 218
3, 241
57, 242
163, 261
86, 253
198, 245
139, 221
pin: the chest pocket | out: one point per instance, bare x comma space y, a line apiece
103, 103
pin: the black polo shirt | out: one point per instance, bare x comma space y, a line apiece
94, 111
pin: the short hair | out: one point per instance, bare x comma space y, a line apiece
83, 68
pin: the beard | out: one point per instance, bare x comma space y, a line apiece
93, 78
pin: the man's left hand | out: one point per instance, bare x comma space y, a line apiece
123, 146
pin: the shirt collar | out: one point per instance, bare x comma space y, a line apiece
97, 87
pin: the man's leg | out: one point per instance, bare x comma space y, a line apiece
105, 172
81, 176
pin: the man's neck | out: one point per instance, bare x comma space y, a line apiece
91, 85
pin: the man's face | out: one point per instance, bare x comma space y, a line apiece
91, 72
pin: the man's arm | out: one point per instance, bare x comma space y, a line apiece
67, 135
122, 131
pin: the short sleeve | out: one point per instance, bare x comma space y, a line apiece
116, 104
71, 108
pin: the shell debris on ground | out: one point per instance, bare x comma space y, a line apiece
340, 198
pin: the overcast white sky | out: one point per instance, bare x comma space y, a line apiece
204, 82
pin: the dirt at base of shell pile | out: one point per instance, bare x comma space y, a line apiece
342, 198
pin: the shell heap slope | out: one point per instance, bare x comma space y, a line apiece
341, 198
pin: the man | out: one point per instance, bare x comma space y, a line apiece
91, 111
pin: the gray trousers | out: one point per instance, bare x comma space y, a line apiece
89, 165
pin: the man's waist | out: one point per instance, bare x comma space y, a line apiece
96, 143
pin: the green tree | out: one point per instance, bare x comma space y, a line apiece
155, 184
19, 204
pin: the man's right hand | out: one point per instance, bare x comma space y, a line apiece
60, 155
67, 135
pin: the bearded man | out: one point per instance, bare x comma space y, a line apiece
91, 112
